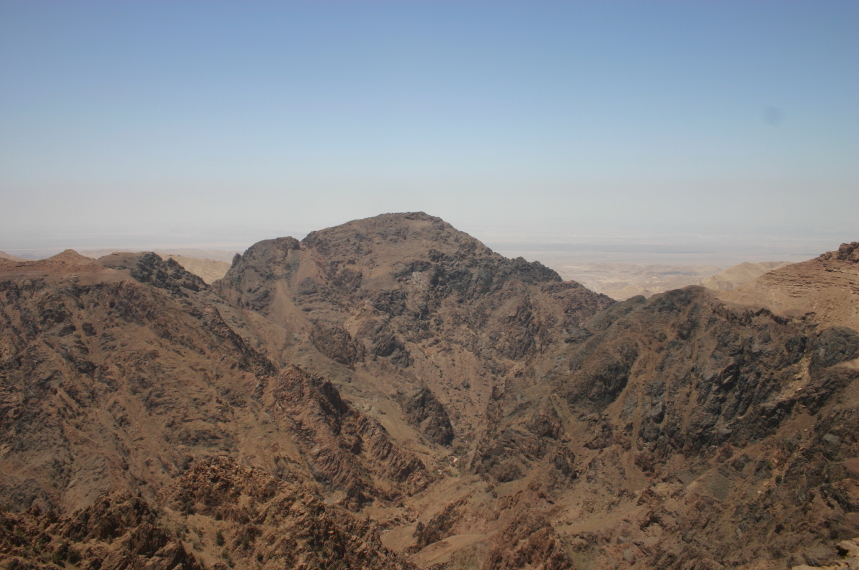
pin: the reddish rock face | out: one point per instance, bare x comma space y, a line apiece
392, 394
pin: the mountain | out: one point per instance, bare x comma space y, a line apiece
390, 393
411, 308
741, 274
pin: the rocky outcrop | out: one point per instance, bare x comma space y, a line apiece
725, 388
823, 290
686, 353
530, 541
248, 281
506, 454
439, 526
149, 268
252, 360
242, 517
846, 252
415, 303
382, 342
425, 412
336, 343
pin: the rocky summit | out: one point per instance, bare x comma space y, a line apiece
390, 393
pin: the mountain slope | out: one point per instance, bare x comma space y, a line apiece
691, 434
119, 375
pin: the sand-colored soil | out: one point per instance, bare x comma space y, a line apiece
741, 274
623, 280
208, 270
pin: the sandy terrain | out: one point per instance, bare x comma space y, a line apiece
623, 280
624, 269
741, 274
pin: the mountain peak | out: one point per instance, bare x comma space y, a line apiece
395, 235
389, 252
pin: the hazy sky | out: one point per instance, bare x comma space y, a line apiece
223, 123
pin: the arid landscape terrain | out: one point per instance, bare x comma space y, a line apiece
391, 393
622, 281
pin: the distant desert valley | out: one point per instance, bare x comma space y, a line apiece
391, 393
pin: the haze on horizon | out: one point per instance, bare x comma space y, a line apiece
662, 126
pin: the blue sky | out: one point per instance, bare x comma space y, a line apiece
222, 123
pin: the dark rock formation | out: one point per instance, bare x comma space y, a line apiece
439, 526
424, 411
846, 252
336, 343
151, 269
